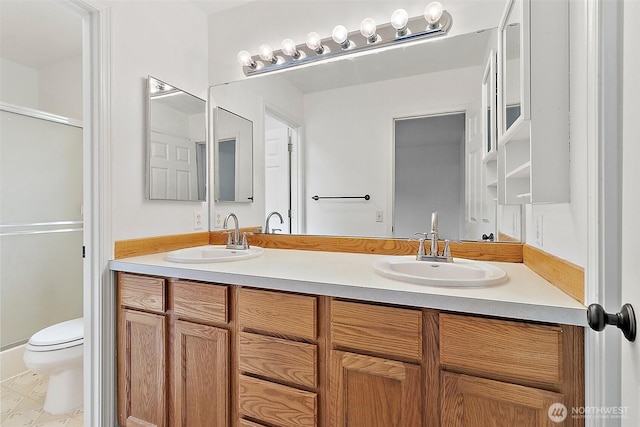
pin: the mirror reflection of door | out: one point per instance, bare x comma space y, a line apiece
233, 158
176, 143
227, 168
280, 139
429, 174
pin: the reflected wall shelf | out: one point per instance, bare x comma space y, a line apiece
533, 153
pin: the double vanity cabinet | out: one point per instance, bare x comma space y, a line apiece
209, 354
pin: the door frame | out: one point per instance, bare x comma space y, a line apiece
98, 289
602, 275
296, 168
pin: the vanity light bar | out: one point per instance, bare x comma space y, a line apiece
435, 22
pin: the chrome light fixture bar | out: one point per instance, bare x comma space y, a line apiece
435, 22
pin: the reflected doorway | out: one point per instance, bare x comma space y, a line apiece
281, 148
429, 174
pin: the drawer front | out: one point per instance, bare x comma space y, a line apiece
142, 292
389, 331
278, 313
247, 423
278, 359
505, 349
199, 301
276, 404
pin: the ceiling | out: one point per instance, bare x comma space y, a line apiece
214, 6
38, 33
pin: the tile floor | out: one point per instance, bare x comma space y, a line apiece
22, 398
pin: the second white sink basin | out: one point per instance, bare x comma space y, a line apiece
212, 253
460, 273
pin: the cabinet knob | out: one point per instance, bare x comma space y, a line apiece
625, 320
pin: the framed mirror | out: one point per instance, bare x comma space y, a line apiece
346, 113
176, 144
233, 157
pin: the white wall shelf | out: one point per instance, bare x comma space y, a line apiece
534, 149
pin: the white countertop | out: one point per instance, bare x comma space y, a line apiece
525, 295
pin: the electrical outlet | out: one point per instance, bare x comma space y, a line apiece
217, 220
379, 216
539, 230
197, 220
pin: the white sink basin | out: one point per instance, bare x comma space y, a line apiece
460, 273
212, 253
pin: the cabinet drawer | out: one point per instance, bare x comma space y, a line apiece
199, 301
500, 348
278, 359
275, 403
390, 331
143, 292
278, 313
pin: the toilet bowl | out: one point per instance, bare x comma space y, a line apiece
56, 351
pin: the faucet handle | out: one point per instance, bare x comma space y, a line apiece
245, 242
421, 251
273, 230
447, 250
229, 238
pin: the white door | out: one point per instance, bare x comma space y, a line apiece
630, 352
173, 167
277, 176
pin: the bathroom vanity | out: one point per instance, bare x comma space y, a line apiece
302, 338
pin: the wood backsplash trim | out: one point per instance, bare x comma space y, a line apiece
507, 252
563, 274
154, 245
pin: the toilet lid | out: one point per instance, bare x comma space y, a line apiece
70, 332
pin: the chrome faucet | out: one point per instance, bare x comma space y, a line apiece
445, 256
266, 224
234, 242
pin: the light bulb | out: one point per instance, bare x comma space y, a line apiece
266, 53
314, 42
245, 59
433, 13
368, 30
399, 20
289, 48
340, 35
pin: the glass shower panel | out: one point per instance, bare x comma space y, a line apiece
40, 225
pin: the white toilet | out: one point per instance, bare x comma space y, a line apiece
56, 351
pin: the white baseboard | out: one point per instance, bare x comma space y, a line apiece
11, 363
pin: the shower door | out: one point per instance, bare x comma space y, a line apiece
40, 223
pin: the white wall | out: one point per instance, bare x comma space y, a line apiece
55, 88
564, 225
168, 40
60, 88
18, 84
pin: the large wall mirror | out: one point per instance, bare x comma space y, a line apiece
362, 127
177, 144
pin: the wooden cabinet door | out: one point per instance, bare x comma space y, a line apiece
476, 402
200, 376
141, 369
373, 392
